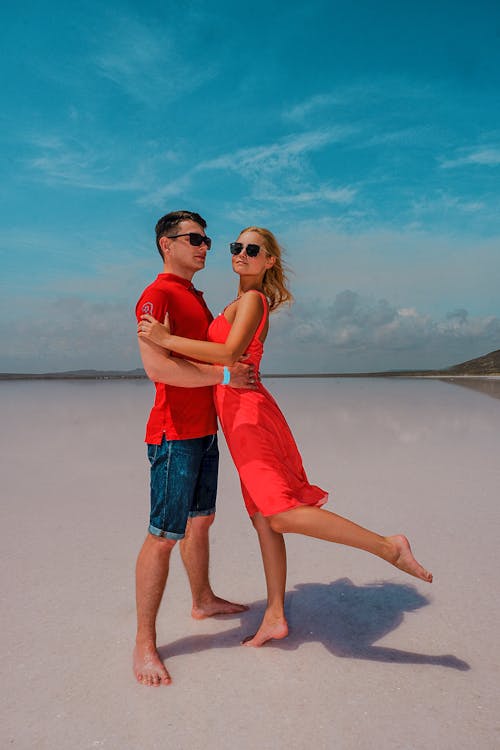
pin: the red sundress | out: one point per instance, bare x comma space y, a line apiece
259, 439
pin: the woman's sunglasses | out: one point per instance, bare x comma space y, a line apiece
195, 239
237, 247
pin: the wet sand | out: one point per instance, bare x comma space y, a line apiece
374, 658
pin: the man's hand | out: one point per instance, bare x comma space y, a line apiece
243, 376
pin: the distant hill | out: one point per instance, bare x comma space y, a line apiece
77, 375
488, 364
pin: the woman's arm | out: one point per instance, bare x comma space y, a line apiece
248, 315
160, 367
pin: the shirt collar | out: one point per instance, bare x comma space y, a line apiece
180, 280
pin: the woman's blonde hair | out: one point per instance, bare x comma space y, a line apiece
275, 279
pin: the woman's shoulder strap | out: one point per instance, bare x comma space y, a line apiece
261, 295
265, 313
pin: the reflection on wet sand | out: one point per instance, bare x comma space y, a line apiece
488, 386
368, 647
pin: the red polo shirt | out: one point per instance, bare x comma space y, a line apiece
179, 413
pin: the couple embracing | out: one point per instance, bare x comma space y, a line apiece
204, 368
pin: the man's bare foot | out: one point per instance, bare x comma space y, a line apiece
148, 667
401, 556
270, 628
216, 606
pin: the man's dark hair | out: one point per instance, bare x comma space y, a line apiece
168, 222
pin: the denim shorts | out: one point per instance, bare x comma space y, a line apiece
183, 483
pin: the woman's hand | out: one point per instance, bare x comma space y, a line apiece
151, 329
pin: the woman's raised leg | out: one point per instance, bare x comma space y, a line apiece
322, 524
272, 545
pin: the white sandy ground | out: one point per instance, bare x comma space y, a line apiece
375, 659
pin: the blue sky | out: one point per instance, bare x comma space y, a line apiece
365, 135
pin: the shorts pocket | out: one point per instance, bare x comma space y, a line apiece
152, 452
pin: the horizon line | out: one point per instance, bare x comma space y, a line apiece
141, 375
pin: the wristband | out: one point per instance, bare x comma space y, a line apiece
227, 376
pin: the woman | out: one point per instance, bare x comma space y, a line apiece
277, 494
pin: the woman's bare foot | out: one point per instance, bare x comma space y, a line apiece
270, 628
216, 606
402, 557
148, 667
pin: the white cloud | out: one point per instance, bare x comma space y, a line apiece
279, 172
314, 103
386, 90
147, 64
485, 157
275, 156
436, 300
317, 336
441, 201
417, 270
352, 333
65, 160
373, 99
72, 333
343, 195
171, 189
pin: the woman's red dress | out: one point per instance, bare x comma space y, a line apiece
259, 439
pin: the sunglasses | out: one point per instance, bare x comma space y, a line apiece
195, 239
237, 247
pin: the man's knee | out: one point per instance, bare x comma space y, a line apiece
161, 544
199, 524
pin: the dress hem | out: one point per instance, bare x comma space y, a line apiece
298, 504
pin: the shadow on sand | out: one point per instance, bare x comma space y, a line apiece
346, 619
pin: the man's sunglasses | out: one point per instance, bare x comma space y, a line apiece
195, 239
237, 247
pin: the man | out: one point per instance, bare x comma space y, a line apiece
182, 440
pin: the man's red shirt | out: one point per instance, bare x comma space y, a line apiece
179, 413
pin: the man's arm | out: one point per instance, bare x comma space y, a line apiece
162, 368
